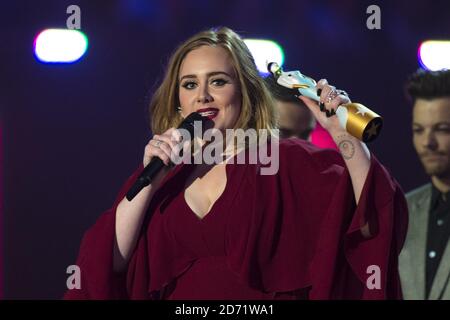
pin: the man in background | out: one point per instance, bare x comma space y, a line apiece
425, 259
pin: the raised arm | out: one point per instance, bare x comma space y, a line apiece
354, 152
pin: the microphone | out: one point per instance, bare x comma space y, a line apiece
156, 164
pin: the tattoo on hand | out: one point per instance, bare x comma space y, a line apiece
347, 148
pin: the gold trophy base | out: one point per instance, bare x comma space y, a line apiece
362, 122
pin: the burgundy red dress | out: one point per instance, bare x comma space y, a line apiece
293, 235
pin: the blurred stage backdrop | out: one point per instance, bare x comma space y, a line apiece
70, 134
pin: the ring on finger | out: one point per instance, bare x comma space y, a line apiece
331, 95
157, 143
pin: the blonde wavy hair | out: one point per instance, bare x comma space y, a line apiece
257, 105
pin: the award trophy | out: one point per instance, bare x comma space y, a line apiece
355, 118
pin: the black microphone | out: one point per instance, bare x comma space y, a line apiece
156, 163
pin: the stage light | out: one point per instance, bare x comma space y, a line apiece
264, 51
60, 45
434, 55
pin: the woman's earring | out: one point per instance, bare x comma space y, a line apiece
178, 109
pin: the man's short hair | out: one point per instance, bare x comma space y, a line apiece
425, 84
